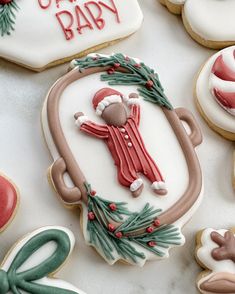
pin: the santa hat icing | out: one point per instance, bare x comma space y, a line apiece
104, 97
223, 80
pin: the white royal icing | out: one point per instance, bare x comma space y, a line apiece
161, 142
211, 19
39, 256
38, 38
206, 80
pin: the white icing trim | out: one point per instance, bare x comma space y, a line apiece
136, 185
133, 101
158, 186
106, 102
81, 120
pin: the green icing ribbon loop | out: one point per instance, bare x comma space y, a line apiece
15, 280
4, 284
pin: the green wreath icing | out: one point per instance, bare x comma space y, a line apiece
7, 17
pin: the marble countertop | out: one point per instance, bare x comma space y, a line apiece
162, 42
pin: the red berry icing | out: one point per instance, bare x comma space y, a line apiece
119, 235
111, 71
5, 1
93, 193
116, 65
8, 201
152, 244
137, 65
156, 222
111, 227
149, 230
113, 206
149, 84
91, 216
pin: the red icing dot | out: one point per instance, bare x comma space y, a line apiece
8, 201
119, 235
111, 71
93, 193
152, 244
149, 230
111, 227
113, 206
127, 58
149, 84
5, 1
137, 65
91, 216
116, 65
156, 222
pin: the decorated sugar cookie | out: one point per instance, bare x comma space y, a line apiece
216, 254
209, 22
215, 93
8, 201
43, 33
116, 154
28, 269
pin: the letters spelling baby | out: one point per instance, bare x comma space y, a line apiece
88, 15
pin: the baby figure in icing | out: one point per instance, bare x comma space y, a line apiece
123, 139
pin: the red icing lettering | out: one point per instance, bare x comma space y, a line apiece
44, 5
112, 9
67, 29
80, 14
98, 20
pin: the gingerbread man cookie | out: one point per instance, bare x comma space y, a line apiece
118, 157
43, 33
216, 254
9, 199
21, 272
209, 22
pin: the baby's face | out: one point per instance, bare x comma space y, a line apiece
115, 114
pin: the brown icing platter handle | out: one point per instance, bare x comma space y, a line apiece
68, 195
186, 116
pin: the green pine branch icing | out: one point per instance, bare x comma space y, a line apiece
15, 281
139, 74
7, 17
114, 230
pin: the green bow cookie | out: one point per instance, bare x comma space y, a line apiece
16, 275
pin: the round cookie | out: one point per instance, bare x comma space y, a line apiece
215, 93
209, 22
216, 254
28, 269
9, 199
124, 214
43, 33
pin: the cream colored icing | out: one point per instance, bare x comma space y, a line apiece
211, 19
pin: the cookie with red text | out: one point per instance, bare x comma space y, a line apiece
9, 200
216, 254
29, 269
113, 153
209, 22
76, 27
